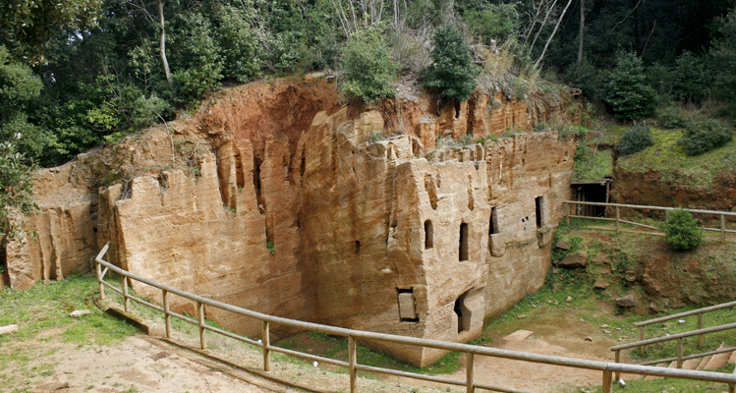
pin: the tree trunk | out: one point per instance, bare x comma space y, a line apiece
551, 36
581, 35
162, 46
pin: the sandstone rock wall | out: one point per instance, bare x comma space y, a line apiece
295, 206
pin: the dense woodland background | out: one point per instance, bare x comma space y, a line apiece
77, 73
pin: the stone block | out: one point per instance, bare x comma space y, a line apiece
544, 236
626, 301
497, 243
574, 260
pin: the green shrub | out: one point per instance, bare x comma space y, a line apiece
369, 69
704, 135
671, 117
452, 72
635, 140
625, 88
681, 230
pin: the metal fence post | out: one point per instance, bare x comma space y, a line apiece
469, 372
352, 361
126, 299
266, 338
167, 316
607, 381
200, 311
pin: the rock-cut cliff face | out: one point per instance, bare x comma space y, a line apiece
278, 199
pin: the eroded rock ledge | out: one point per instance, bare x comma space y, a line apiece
280, 200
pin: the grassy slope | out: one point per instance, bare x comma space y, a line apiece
45, 309
668, 158
593, 166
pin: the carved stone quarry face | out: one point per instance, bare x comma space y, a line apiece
300, 208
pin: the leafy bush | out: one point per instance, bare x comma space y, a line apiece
453, 72
238, 44
671, 117
626, 90
369, 69
634, 141
704, 135
681, 230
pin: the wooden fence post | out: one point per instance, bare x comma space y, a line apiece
126, 299
167, 315
99, 280
641, 337
607, 381
618, 360
618, 220
723, 229
352, 361
200, 311
469, 372
701, 338
679, 353
266, 338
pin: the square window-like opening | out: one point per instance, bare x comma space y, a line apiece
407, 305
463, 242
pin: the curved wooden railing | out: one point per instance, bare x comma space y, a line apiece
471, 351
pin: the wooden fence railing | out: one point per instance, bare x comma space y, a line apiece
615, 210
471, 351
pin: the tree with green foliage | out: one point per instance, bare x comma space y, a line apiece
723, 55
16, 198
19, 92
625, 89
452, 71
681, 230
635, 140
493, 22
27, 26
690, 79
369, 68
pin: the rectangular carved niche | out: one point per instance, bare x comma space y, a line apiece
407, 305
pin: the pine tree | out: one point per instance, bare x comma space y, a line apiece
626, 90
452, 72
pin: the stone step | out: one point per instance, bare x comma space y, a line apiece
718, 361
651, 377
732, 359
690, 364
703, 362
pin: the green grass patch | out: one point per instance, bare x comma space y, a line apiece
593, 165
675, 167
47, 306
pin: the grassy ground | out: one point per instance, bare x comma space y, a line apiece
42, 314
593, 165
668, 158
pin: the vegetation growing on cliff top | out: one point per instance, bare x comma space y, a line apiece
668, 158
